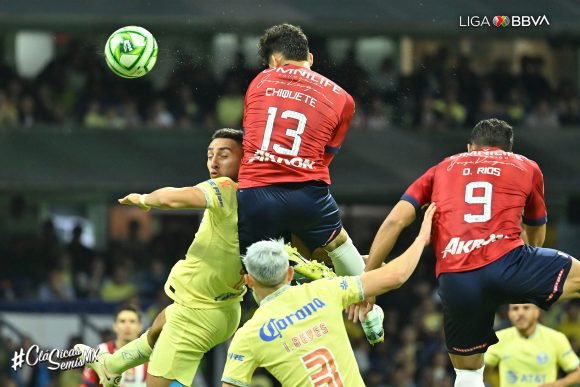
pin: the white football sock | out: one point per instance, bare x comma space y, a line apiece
347, 260
469, 378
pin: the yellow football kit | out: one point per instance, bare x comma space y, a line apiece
206, 287
525, 362
298, 335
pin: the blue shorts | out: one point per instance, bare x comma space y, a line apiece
470, 299
306, 210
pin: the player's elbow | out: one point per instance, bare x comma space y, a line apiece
397, 279
395, 223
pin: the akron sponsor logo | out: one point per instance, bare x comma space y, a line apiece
272, 329
458, 246
298, 162
503, 21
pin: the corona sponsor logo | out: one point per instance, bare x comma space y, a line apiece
272, 329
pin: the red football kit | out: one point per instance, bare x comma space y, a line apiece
481, 199
295, 121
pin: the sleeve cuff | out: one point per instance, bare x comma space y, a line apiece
535, 222
206, 194
412, 200
331, 149
361, 292
235, 382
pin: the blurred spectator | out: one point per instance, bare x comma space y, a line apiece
230, 106
56, 288
28, 115
8, 111
130, 114
186, 109
386, 82
114, 120
378, 116
542, 117
80, 253
89, 283
94, 118
570, 325
160, 116
118, 287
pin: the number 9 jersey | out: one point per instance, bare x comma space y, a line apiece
294, 123
482, 198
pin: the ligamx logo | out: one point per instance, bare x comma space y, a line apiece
502, 21
272, 329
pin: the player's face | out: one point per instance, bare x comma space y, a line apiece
523, 316
224, 156
127, 326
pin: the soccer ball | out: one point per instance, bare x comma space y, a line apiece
131, 52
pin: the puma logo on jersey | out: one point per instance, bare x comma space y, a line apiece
457, 246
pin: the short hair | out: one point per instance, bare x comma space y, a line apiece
127, 308
267, 262
286, 39
234, 134
493, 132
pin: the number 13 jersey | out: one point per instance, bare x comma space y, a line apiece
294, 123
482, 198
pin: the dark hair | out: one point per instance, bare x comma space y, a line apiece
129, 308
493, 132
285, 39
235, 134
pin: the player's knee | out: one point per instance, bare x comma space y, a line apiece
340, 239
156, 328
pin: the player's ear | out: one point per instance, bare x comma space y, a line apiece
290, 273
249, 281
275, 60
469, 148
310, 59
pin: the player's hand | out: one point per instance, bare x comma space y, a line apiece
134, 199
356, 312
425, 232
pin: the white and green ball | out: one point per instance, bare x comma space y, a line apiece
131, 52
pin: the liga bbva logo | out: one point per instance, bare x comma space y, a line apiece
502, 21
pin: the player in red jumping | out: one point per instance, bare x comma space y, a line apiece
483, 196
295, 121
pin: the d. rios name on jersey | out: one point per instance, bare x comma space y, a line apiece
298, 162
457, 246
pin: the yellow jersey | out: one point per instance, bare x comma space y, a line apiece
298, 335
210, 276
525, 362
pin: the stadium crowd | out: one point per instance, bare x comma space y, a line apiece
41, 266
444, 92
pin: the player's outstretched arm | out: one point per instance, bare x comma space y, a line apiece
535, 235
401, 216
168, 198
397, 272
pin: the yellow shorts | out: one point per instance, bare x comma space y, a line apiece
186, 336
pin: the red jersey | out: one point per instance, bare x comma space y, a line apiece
481, 197
294, 123
134, 377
